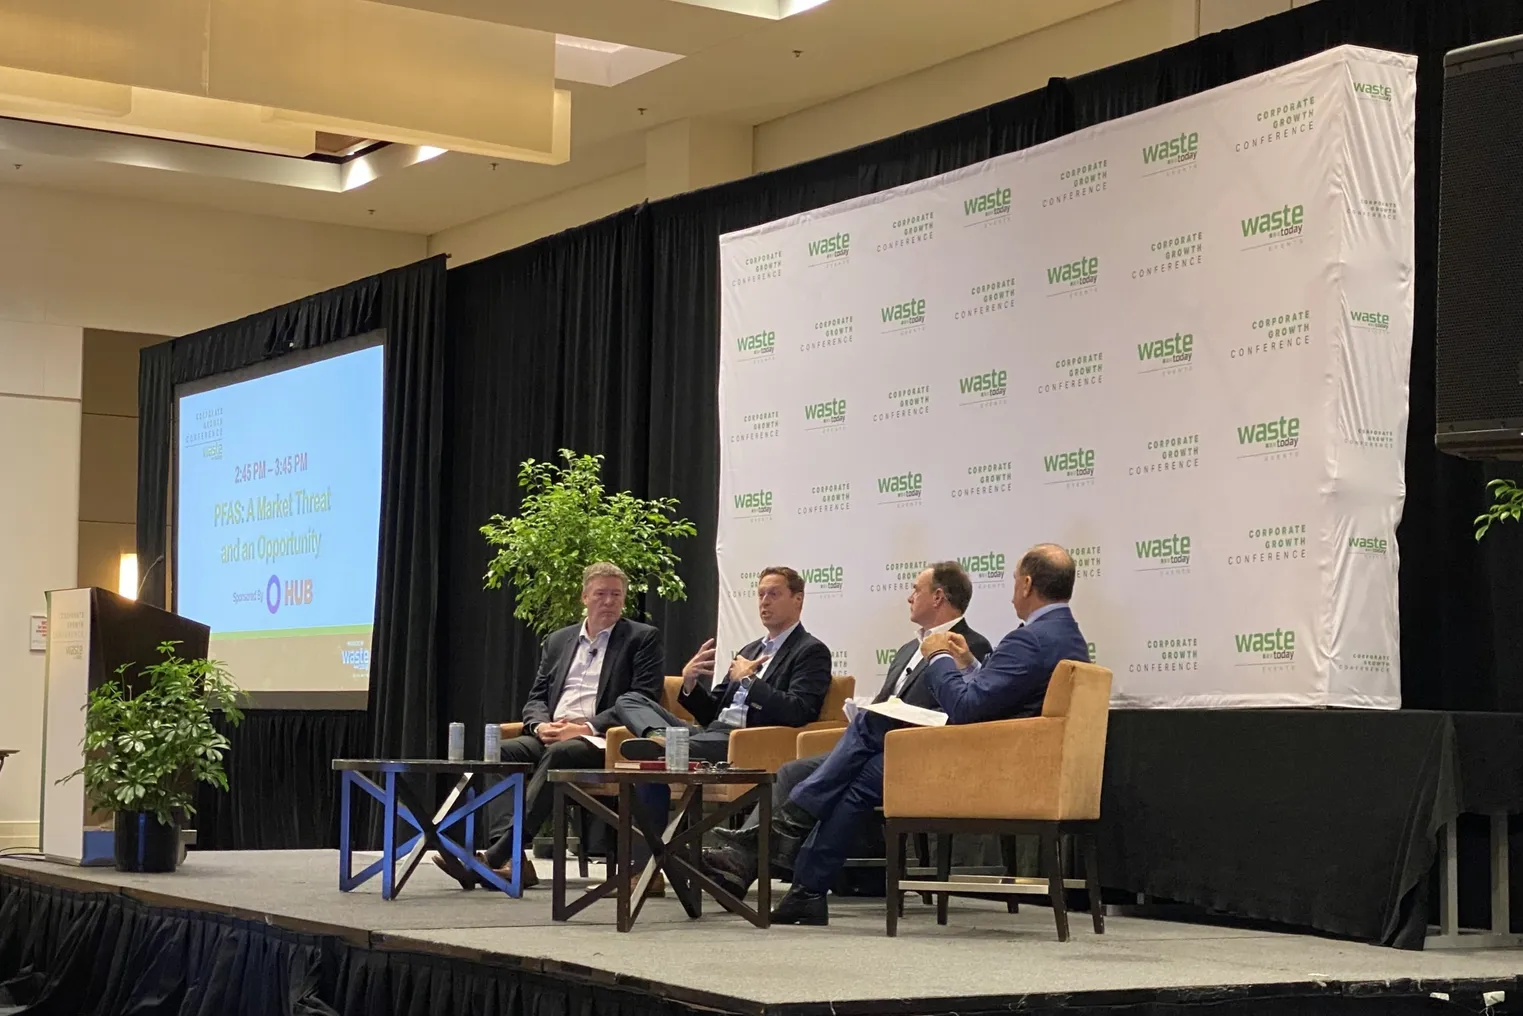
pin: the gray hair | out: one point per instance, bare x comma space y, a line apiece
603, 570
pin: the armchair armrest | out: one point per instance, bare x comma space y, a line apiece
1003, 769
762, 747
510, 730
614, 736
817, 741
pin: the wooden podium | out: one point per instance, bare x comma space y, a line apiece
92, 632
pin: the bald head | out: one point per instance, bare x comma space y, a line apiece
1045, 575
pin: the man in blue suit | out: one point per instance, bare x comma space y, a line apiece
820, 821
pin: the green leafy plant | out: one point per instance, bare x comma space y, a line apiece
1507, 507
147, 751
568, 521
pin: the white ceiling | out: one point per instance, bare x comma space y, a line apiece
736, 67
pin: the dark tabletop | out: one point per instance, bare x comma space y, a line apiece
430, 765
701, 777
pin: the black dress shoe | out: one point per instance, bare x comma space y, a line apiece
745, 838
643, 749
801, 906
734, 871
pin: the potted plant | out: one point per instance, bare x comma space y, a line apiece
145, 751
566, 522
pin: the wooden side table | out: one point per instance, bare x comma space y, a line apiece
675, 844
398, 800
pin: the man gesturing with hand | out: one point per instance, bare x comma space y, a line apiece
778, 680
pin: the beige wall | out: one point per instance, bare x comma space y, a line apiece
71, 266
1107, 36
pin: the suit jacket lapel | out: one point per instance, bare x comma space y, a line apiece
961, 628
896, 671
562, 668
781, 656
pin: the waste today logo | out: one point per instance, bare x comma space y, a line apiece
1271, 648
754, 505
1274, 438
756, 346
833, 250
904, 317
989, 208
1071, 468
1081, 275
1171, 154
983, 389
901, 489
1274, 228
1373, 546
829, 414
1372, 90
1370, 320
1172, 353
986, 569
1167, 555
825, 580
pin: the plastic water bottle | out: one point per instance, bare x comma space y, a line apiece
491, 742
676, 749
457, 742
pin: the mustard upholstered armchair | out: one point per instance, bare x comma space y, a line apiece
1037, 775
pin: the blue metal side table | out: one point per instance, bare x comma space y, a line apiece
399, 800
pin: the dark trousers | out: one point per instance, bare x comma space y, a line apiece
576, 753
789, 775
843, 793
645, 718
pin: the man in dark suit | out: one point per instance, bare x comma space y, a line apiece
823, 813
583, 670
937, 601
780, 680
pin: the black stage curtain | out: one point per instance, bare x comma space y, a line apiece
282, 792
604, 339
409, 304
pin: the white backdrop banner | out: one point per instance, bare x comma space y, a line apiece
1176, 343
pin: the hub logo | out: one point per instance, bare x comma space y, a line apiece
1281, 435
986, 207
1069, 467
1367, 545
1280, 224
830, 413
1074, 274
896, 489
1172, 152
756, 504
1371, 90
290, 593
1266, 648
1370, 319
830, 578
830, 249
1168, 552
899, 317
988, 567
758, 345
1171, 351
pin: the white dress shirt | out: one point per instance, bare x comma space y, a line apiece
904, 675
579, 696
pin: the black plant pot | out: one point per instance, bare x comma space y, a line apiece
143, 843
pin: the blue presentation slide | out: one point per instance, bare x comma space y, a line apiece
280, 505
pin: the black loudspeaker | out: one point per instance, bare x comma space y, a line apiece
1479, 395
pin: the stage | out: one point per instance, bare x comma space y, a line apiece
357, 953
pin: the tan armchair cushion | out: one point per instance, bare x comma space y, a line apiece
1047, 767
810, 743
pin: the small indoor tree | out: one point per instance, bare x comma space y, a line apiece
146, 748
1507, 506
566, 522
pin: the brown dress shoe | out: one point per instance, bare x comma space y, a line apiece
451, 866
468, 879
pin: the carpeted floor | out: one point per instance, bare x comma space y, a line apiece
982, 951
